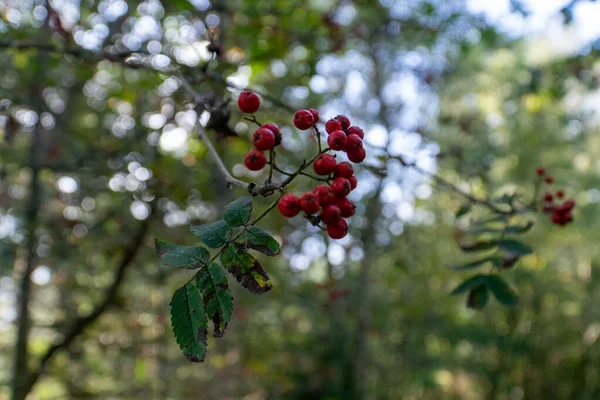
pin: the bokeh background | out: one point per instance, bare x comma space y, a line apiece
98, 155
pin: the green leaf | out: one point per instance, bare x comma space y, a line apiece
189, 257
503, 293
238, 212
513, 246
245, 269
218, 301
478, 246
519, 228
214, 235
189, 322
257, 239
508, 229
470, 283
464, 209
473, 264
478, 297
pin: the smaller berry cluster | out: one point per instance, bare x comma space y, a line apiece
265, 138
560, 212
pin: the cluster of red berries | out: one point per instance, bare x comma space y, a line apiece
329, 201
560, 212
264, 138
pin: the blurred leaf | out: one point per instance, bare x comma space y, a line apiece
189, 322
478, 297
514, 246
478, 246
189, 257
218, 301
473, 264
246, 269
464, 209
238, 212
259, 240
470, 283
503, 293
214, 235
508, 229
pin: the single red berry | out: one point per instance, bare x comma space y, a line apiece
255, 160
344, 169
303, 119
346, 206
341, 187
310, 203
549, 179
560, 193
353, 182
355, 130
540, 171
548, 197
353, 142
324, 164
333, 125
331, 214
289, 205
263, 139
357, 155
315, 114
248, 102
337, 140
272, 127
324, 194
344, 121
338, 230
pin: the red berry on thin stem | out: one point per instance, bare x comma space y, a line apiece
355, 130
248, 102
346, 206
263, 139
344, 121
331, 214
353, 182
344, 169
333, 125
560, 193
255, 160
324, 164
341, 187
337, 140
353, 142
548, 197
357, 155
272, 127
315, 114
289, 205
324, 194
303, 119
338, 230
310, 203
549, 179
540, 171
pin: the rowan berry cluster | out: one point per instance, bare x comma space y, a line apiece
560, 212
326, 203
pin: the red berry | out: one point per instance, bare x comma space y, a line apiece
289, 205
353, 182
263, 139
341, 187
331, 214
310, 203
540, 171
346, 206
344, 169
353, 142
315, 114
344, 121
324, 164
248, 102
337, 140
338, 230
358, 155
255, 160
560, 193
567, 206
324, 194
548, 197
549, 179
303, 119
273, 128
333, 125
355, 130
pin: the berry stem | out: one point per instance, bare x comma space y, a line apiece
253, 120
318, 133
271, 164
